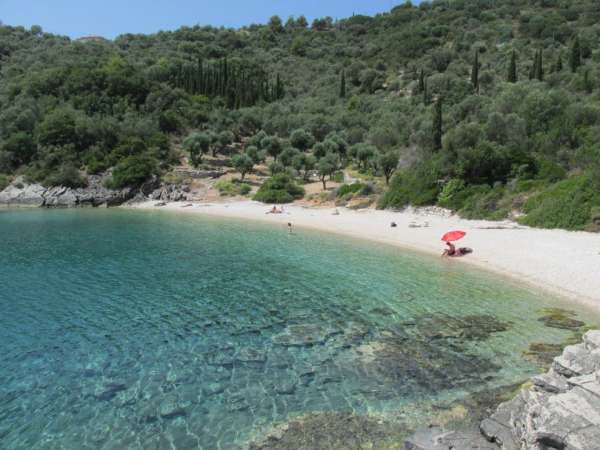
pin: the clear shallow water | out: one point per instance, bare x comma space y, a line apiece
139, 330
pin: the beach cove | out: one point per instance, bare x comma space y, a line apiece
562, 262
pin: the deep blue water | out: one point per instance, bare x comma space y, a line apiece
141, 330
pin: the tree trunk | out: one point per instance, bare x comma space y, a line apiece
324, 183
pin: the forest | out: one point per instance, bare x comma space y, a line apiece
487, 107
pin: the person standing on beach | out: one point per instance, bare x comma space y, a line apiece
290, 227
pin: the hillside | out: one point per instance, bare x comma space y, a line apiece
489, 108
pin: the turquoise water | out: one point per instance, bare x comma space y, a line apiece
141, 330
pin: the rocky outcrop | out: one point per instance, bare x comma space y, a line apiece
23, 194
560, 411
20, 193
170, 193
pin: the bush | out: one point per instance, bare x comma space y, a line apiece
228, 188
567, 204
4, 182
483, 202
350, 189
133, 171
67, 175
280, 188
418, 187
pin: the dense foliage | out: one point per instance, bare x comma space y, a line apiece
279, 188
488, 107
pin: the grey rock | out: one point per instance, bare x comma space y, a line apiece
561, 411
591, 340
251, 355
94, 194
435, 438
577, 360
23, 194
304, 335
551, 382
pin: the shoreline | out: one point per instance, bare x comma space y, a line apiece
558, 262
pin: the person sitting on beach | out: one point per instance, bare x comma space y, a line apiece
452, 251
274, 210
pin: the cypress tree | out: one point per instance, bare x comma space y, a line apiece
512, 68
575, 60
533, 71
425, 93
586, 82
475, 72
559, 64
421, 81
539, 71
343, 85
437, 125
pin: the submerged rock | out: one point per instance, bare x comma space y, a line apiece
434, 438
470, 328
304, 335
333, 430
560, 318
542, 354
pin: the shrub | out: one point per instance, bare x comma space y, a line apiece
483, 202
280, 188
228, 188
350, 189
4, 182
133, 171
567, 204
67, 175
418, 187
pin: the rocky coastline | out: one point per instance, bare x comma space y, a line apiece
22, 194
560, 410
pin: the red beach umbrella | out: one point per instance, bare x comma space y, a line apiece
453, 236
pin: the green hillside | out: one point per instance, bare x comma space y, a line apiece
490, 108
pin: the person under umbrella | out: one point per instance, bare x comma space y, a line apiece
452, 251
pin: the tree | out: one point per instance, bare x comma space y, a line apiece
273, 146
287, 156
534, 67
326, 167
387, 163
276, 24
512, 68
343, 85
304, 164
575, 57
425, 93
243, 164
363, 153
475, 72
133, 171
197, 144
587, 83
421, 81
224, 139
539, 66
437, 125
559, 64
301, 139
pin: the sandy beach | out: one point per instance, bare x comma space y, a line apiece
562, 262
